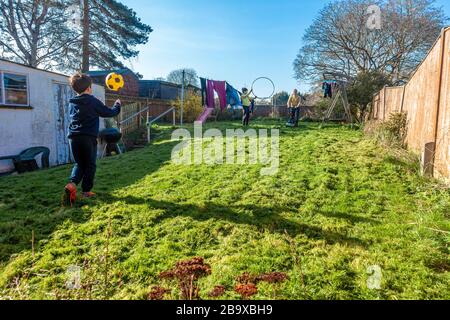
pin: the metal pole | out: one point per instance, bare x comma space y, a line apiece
182, 98
273, 107
149, 137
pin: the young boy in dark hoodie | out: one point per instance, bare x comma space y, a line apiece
85, 111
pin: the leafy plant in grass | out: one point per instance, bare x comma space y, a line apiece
158, 293
247, 283
396, 128
247, 290
217, 292
187, 273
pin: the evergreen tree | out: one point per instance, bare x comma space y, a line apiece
110, 33
68, 35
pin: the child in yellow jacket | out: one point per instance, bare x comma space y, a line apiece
246, 104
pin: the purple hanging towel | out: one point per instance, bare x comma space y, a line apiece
221, 89
210, 94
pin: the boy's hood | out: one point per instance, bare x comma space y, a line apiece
81, 100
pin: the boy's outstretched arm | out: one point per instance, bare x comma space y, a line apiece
105, 112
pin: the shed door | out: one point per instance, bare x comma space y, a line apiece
62, 93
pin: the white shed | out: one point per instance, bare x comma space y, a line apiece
34, 111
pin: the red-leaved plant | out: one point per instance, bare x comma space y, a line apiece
246, 290
247, 283
187, 273
158, 293
217, 292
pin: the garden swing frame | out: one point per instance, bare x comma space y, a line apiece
341, 94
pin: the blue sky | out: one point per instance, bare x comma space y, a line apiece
233, 40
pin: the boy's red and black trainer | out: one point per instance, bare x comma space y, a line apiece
70, 195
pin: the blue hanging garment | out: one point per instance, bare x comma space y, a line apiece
233, 97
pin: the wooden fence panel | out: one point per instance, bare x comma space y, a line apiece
376, 107
421, 96
381, 111
442, 160
426, 100
157, 106
133, 124
393, 100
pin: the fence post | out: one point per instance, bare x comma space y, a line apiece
148, 127
182, 99
428, 159
384, 103
403, 98
438, 106
174, 117
138, 119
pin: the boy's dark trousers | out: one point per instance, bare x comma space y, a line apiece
246, 118
84, 151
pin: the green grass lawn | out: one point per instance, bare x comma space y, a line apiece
338, 205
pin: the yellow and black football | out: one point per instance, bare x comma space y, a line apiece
114, 81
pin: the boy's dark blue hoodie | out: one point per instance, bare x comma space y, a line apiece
85, 112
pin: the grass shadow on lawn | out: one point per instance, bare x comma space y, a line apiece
348, 217
264, 218
32, 202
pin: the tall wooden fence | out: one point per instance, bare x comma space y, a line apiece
136, 111
282, 111
426, 100
134, 105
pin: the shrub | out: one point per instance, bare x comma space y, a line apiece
192, 108
392, 132
322, 106
360, 92
397, 127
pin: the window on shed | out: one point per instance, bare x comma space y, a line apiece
1, 88
14, 89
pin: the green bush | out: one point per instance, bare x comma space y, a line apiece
322, 107
192, 108
392, 132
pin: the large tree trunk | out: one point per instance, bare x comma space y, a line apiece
86, 39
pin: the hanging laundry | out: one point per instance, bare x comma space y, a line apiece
330, 91
210, 94
220, 87
327, 90
204, 93
233, 97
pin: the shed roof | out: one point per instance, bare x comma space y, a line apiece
34, 68
100, 73
170, 84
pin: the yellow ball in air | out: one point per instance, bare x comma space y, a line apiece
114, 81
